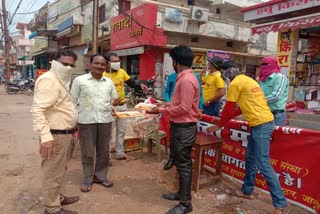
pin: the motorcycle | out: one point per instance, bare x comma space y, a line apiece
135, 96
13, 87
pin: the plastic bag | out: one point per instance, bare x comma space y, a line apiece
145, 126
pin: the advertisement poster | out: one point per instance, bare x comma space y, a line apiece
284, 48
224, 56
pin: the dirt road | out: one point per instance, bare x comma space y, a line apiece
139, 183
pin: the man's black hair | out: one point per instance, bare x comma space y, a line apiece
229, 64
66, 53
182, 55
109, 55
93, 56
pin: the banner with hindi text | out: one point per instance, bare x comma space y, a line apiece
294, 156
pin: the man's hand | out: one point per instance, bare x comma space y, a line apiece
154, 110
200, 115
116, 102
206, 104
216, 120
160, 104
47, 149
213, 129
144, 87
113, 112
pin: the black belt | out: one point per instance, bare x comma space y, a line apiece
120, 104
184, 125
70, 131
277, 111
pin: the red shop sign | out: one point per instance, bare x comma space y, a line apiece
292, 24
136, 27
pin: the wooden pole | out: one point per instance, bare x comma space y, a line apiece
6, 39
95, 26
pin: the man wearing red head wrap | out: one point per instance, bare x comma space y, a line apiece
275, 87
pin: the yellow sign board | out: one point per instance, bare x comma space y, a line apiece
199, 60
284, 48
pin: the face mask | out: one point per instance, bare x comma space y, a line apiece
115, 65
226, 80
230, 73
62, 71
208, 65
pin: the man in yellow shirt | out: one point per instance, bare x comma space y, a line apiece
119, 77
213, 87
252, 103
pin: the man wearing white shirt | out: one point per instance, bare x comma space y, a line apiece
93, 95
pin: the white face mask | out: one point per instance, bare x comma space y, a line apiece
63, 72
115, 65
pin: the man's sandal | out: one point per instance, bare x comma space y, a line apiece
240, 194
86, 187
279, 210
105, 182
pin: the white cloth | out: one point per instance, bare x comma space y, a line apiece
121, 127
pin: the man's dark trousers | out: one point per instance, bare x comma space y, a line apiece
182, 137
94, 144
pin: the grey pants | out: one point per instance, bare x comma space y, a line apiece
95, 144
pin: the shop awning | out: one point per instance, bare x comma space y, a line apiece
64, 32
22, 58
294, 23
42, 33
204, 50
130, 51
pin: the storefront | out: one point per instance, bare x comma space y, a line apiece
298, 51
136, 38
298, 47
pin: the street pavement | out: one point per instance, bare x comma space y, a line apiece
139, 182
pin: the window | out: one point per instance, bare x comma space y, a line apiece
229, 44
102, 13
124, 6
263, 41
133, 66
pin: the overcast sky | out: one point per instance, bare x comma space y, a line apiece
26, 6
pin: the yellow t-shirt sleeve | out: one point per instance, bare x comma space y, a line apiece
233, 93
125, 75
219, 82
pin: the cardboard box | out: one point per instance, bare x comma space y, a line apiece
301, 67
131, 144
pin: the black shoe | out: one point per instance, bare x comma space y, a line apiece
169, 164
62, 211
69, 200
171, 196
180, 209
